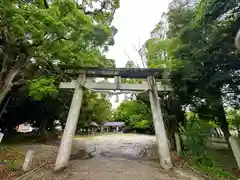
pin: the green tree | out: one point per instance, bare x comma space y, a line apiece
135, 114
22, 108
43, 111
199, 56
95, 108
35, 33
212, 60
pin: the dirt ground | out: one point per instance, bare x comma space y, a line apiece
115, 157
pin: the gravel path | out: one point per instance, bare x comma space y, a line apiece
116, 157
111, 169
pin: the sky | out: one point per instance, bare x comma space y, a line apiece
135, 19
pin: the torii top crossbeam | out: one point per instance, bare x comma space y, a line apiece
138, 73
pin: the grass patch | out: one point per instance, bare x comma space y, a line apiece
205, 156
214, 172
11, 155
225, 159
11, 158
218, 165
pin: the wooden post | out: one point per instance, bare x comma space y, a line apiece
162, 141
235, 145
28, 160
178, 142
70, 128
1, 137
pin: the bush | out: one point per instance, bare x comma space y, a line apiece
196, 133
195, 136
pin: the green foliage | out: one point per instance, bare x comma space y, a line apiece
204, 48
62, 33
43, 107
34, 109
95, 108
198, 54
194, 44
233, 117
159, 53
211, 168
38, 39
42, 87
196, 133
131, 64
135, 113
143, 124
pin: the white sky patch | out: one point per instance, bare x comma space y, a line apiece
135, 19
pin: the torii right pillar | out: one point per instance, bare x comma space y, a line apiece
162, 141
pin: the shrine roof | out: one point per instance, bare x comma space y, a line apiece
114, 124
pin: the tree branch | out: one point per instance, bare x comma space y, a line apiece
129, 58
4, 69
19, 82
141, 55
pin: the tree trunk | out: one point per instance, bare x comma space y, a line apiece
172, 140
216, 104
43, 130
4, 93
174, 108
181, 142
171, 131
223, 121
238, 129
8, 83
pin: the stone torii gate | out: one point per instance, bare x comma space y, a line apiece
85, 80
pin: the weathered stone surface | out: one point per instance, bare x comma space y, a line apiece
28, 160
162, 141
1, 137
235, 145
70, 128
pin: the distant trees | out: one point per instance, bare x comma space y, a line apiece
43, 112
135, 114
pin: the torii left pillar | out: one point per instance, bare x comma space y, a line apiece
70, 128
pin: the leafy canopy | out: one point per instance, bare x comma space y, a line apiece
135, 113
61, 34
